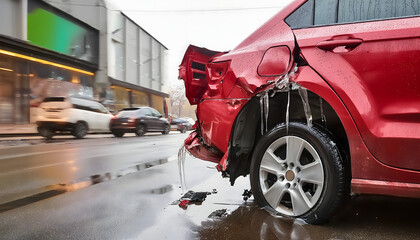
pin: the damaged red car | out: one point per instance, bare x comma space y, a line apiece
321, 101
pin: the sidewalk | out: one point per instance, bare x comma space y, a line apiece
17, 129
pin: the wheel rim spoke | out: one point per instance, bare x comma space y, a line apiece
295, 147
300, 202
312, 173
274, 194
270, 162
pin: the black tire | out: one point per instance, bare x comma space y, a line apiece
45, 132
118, 133
80, 130
140, 130
166, 129
308, 183
183, 129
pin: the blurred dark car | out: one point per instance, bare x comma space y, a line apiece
180, 124
138, 120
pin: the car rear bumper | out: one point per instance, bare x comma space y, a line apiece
56, 126
194, 144
126, 126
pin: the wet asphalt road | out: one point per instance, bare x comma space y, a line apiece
110, 188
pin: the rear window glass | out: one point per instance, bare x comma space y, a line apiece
54, 99
127, 113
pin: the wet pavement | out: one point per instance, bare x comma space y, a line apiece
128, 187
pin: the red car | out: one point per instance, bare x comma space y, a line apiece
320, 101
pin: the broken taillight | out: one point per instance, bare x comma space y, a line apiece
193, 71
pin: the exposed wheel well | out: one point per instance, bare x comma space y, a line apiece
249, 128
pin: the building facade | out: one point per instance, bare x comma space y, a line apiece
76, 47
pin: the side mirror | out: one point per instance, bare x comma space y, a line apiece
275, 62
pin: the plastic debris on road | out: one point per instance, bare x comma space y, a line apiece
192, 197
247, 194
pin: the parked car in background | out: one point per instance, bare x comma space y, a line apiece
180, 124
138, 120
75, 115
189, 120
320, 101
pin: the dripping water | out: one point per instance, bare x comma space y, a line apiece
182, 154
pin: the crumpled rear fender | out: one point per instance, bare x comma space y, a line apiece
221, 83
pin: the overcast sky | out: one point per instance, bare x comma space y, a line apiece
218, 25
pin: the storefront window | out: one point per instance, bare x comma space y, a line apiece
25, 81
139, 99
157, 103
121, 98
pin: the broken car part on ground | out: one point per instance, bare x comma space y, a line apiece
308, 105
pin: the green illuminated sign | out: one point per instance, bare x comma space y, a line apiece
53, 32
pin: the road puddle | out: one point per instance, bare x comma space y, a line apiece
250, 222
61, 188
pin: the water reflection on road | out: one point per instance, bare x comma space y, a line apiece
250, 222
61, 188
362, 217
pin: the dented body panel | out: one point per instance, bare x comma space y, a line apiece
360, 81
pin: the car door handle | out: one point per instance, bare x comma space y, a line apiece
348, 44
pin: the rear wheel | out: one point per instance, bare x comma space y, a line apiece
118, 133
297, 172
166, 130
140, 130
183, 130
45, 132
80, 130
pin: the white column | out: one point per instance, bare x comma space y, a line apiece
24, 19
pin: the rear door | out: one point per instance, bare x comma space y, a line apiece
369, 53
149, 119
158, 123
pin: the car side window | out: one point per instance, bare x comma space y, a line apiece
155, 113
302, 17
329, 12
144, 112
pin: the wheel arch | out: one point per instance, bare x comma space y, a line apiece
322, 101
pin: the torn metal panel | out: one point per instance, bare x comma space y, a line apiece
195, 145
321, 107
264, 107
216, 117
303, 92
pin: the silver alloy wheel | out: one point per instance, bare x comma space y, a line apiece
291, 176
